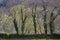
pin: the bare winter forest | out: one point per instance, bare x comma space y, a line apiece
30, 17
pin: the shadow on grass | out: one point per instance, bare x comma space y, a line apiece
54, 36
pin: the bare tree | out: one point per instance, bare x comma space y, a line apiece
15, 24
52, 19
34, 18
45, 15
23, 21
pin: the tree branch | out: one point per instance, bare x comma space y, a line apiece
56, 15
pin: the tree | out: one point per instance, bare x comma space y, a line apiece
23, 21
44, 15
15, 25
34, 17
6, 24
14, 19
52, 19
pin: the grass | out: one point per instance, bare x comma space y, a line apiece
29, 39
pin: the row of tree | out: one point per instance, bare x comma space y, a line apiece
22, 14
51, 22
